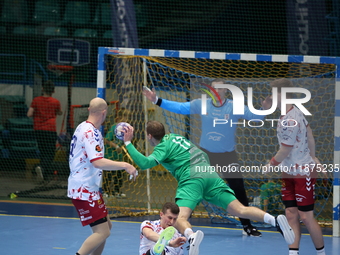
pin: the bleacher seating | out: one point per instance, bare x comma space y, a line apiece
46, 11
56, 18
25, 30
77, 12
18, 139
22, 140
57, 31
14, 11
107, 34
85, 32
105, 13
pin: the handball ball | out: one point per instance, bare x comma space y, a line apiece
119, 130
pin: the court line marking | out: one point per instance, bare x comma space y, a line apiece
136, 222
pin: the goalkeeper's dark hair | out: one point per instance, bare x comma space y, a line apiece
280, 83
172, 206
48, 87
156, 129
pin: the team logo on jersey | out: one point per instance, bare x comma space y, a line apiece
226, 116
88, 134
98, 148
299, 197
216, 137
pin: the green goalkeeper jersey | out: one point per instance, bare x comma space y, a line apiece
179, 156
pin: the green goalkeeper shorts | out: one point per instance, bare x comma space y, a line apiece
214, 190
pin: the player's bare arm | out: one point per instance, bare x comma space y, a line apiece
278, 158
150, 94
108, 164
153, 236
30, 112
150, 234
179, 241
283, 153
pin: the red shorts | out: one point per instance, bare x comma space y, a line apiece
298, 188
90, 212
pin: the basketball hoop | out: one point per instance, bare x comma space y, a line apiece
59, 69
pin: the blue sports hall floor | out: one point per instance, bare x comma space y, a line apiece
38, 228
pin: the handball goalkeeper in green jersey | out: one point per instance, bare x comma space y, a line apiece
197, 180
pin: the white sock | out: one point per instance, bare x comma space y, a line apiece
321, 252
269, 219
293, 252
188, 232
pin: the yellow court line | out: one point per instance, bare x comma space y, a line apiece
136, 222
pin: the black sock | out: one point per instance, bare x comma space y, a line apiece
318, 249
77, 253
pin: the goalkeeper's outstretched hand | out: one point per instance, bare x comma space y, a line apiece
150, 94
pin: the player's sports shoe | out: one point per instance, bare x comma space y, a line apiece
251, 231
120, 195
163, 240
195, 240
283, 227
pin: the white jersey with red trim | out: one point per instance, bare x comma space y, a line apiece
292, 131
146, 244
87, 145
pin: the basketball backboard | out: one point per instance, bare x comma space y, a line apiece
68, 51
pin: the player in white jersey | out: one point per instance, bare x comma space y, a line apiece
86, 162
291, 132
296, 159
160, 237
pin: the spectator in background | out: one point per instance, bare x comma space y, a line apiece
114, 151
44, 110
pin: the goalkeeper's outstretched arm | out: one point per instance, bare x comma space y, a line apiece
172, 106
